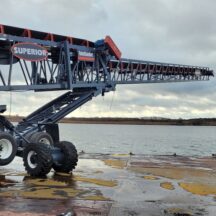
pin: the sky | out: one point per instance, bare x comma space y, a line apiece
170, 31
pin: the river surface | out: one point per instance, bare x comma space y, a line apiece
141, 139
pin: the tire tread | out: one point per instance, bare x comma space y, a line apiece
70, 157
44, 159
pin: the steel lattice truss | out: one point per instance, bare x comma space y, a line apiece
65, 69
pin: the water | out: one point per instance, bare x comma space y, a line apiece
141, 139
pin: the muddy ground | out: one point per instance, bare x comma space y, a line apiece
114, 185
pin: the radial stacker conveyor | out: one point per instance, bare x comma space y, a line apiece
40, 61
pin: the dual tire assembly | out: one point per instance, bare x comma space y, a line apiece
41, 154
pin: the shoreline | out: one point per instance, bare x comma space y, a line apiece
132, 121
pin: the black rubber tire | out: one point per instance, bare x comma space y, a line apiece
70, 157
9, 137
42, 159
38, 136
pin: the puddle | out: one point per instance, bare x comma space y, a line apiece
5, 182
89, 164
41, 193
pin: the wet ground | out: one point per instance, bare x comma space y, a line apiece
114, 185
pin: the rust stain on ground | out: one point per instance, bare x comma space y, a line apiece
119, 164
45, 182
96, 198
199, 188
100, 182
175, 172
167, 185
42, 193
150, 177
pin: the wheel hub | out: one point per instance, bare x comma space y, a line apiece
32, 159
45, 141
6, 148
